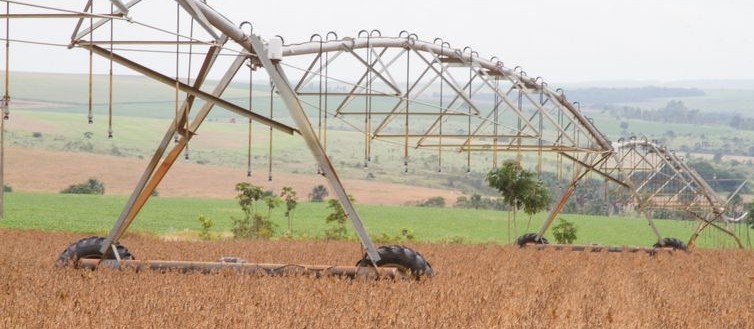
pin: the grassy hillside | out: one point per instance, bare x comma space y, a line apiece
178, 217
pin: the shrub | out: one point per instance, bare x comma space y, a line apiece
318, 193
403, 236
7, 188
564, 232
92, 186
437, 201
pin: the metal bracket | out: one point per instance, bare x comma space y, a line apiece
115, 252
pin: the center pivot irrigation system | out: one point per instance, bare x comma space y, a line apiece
411, 94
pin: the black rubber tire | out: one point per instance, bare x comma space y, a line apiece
530, 238
409, 262
674, 243
89, 248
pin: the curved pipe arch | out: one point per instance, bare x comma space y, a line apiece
443, 49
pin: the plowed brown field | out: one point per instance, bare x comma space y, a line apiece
33, 170
481, 286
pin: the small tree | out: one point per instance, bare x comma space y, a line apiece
520, 189
337, 217
271, 202
207, 224
318, 194
252, 225
291, 201
564, 232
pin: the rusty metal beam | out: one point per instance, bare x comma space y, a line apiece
245, 268
189, 89
598, 248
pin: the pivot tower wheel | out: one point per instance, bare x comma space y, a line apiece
410, 263
89, 248
530, 238
675, 244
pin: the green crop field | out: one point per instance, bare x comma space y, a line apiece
177, 217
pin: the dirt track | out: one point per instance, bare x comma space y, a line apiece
46, 171
484, 286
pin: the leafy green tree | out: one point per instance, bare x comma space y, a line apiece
318, 193
291, 201
564, 232
520, 188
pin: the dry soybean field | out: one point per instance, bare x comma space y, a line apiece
476, 286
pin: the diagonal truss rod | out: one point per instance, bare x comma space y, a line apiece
189, 89
151, 178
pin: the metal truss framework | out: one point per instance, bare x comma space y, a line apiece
426, 95
657, 178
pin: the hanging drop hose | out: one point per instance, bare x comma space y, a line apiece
327, 95
90, 117
251, 97
540, 127
269, 169
496, 116
408, 103
177, 66
110, 82
6, 94
520, 108
319, 86
471, 71
441, 110
188, 82
367, 96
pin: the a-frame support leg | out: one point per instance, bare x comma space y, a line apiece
153, 175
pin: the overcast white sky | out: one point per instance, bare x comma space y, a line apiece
563, 41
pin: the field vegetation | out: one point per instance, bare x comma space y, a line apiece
475, 286
176, 218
